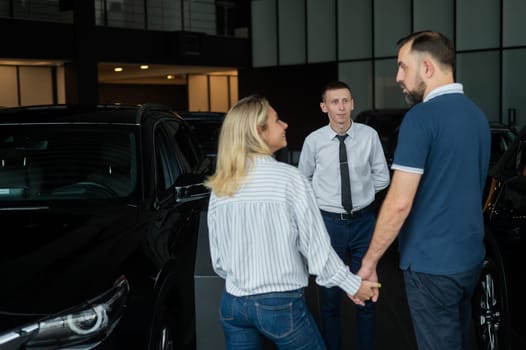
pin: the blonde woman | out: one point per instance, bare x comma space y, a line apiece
267, 235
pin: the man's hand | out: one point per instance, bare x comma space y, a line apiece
369, 290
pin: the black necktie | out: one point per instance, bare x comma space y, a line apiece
344, 170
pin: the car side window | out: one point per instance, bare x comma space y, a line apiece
167, 165
175, 153
185, 146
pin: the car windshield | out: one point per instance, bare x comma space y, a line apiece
67, 161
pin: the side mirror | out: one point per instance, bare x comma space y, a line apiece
190, 187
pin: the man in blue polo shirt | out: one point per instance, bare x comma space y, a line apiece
433, 203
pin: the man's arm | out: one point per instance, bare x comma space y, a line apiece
393, 213
379, 168
307, 160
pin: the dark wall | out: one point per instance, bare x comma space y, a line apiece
32, 39
185, 48
294, 92
175, 96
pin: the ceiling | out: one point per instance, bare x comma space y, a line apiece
133, 74
156, 73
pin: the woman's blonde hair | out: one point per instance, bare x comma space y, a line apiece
239, 140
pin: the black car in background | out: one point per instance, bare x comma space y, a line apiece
206, 126
499, 305
387, 123
100, 209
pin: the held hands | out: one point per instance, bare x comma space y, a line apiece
369, 290
369, 287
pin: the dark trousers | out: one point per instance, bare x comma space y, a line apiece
350, 239
440, 308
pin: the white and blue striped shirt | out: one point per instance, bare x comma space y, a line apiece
270, 235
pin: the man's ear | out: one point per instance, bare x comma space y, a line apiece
428, 67
323, 107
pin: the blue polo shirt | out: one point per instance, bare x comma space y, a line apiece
447, 140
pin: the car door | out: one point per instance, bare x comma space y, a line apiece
499, 305
173, 236
177, 167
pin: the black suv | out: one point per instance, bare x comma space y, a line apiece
499, 305
100, 210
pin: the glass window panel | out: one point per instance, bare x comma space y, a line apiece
100, 19
434, 15
388, 28
164, 15
8, 84
354, 29
42, 10
358, 75
219, 98
321, 30
5, 9
126, 14
36, 86
198, 93
387, 92
264, 39
514, 75
291, 32
202, 16
61, 84
479, 73
478, 24
514, 25
234, 91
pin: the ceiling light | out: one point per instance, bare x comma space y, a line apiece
170, 77
144, 66
118, 69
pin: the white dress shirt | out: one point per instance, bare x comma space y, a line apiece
368, 171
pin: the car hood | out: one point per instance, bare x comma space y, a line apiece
55, 256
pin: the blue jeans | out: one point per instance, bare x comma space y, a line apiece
282, 317
350, 239
440, 308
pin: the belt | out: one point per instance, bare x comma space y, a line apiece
347, 216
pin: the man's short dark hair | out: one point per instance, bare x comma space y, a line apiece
335, 85
439, 46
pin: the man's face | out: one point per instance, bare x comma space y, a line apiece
409, 76
338, 105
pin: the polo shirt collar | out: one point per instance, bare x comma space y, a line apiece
453, 88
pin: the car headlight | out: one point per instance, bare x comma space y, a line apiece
83, 326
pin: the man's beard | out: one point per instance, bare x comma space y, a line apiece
417, 95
